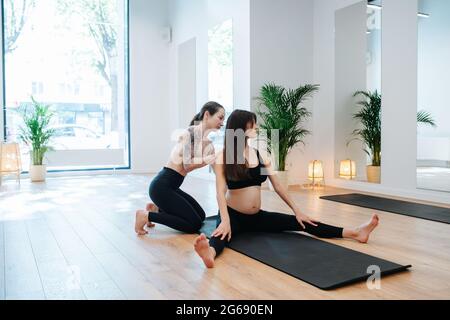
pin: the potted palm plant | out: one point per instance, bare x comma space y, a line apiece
280, 109
36, 134
370, 134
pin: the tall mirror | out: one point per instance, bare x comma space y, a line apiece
220, 78
358, 91
433, 128
220, 71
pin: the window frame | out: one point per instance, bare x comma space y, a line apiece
127, 89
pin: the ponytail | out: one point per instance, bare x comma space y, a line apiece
197, 117
212, 108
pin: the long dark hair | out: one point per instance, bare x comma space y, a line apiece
236, 168
212, 108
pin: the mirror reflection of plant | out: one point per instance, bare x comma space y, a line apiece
425, 117
370, 118
283, 112
35, 131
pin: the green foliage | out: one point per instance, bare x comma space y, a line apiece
283, 112
101, 23
36, 132
369, 117
425, 118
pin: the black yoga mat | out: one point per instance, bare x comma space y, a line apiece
319, 263
416, 210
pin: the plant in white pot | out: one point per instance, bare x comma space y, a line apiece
280, 109
36, 134
369, 117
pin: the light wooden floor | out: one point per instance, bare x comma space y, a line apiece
73, 238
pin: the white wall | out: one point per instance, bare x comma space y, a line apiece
192, 19
339, 4
187, 81
188, 19
281, 51
324, 112
399, 80
400, 133
239, 12
149, 83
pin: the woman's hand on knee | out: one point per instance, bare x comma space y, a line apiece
223, 230
303, 218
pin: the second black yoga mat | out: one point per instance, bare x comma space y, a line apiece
319, 263
416, 210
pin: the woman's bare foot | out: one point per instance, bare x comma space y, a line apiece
141, 221
363, 232
203, 249
151, 207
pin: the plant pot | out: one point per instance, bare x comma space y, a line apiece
374, 174
283, 177
38, 173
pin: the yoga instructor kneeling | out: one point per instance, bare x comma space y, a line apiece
242, 170
172, 206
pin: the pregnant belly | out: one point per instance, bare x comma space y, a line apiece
247, 200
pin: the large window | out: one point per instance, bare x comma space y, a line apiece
73, 56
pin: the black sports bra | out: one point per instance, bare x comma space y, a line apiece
256, 177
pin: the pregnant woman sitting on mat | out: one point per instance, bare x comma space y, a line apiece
242, 173
173, 207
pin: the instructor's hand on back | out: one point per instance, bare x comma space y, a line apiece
223, 230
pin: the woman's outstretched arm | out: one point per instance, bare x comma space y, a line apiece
224, 229
283, 193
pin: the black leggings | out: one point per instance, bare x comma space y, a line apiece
264, 221
177, 209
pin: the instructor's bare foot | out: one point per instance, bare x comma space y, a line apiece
141, 221
203, 249
151, 207
364, 231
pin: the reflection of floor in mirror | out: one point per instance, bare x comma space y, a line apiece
433, 178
